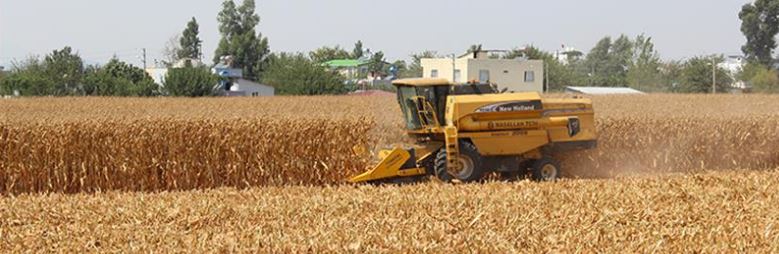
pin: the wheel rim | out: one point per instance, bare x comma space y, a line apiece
548, 172
464, 169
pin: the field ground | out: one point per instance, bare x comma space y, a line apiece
732, 211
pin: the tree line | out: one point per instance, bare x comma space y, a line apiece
619, 61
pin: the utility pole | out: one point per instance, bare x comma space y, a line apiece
454, 66
546, 76
713, 75
143, 57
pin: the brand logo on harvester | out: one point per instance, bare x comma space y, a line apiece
511, 106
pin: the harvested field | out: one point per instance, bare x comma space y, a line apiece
97, 144
700, 213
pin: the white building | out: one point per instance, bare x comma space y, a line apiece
515, 75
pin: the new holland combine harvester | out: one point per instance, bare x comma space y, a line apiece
464, 132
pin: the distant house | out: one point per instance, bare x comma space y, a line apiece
349, 68
232, 84
515, 75
601, 90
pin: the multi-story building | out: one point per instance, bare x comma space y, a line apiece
515, 75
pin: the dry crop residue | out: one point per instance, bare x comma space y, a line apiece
698, 213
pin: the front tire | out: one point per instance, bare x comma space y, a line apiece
546, 170
471, 169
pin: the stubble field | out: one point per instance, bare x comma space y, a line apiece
139, 175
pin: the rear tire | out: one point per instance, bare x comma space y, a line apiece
546, 170
469, 156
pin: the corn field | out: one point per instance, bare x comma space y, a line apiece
76, 145
731, 212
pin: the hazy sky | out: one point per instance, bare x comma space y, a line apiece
98, 29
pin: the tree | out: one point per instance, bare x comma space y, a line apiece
608, 62
597, 61
27, 78
474, 48
325, 54
190, 81
65, 68
671, 75
118, 78
398, 67
240, 40
170, 52
358, 51
760, 25
761, 78
696, 76
190, 42
643, 72
295, 74
766, 80
377, 62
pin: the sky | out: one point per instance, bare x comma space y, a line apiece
100, 29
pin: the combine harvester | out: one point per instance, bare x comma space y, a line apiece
464, 132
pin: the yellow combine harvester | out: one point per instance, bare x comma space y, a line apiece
464, 132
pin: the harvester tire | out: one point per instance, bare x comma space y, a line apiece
546, 170
469, 155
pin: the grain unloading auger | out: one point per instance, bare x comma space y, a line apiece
464, 132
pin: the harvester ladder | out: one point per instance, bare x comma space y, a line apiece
452, 148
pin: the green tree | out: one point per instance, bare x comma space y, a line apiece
358, 50
644, 70
761, 78
760, 24
696, 76
475, 48
65, 68
28, 78
621, 56
190, 81
671, 75
608, 62
295, 74
190, 41
377, 62
597, 61
325, 54
118, 78
240, 39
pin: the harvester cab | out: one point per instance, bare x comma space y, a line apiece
464, 132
